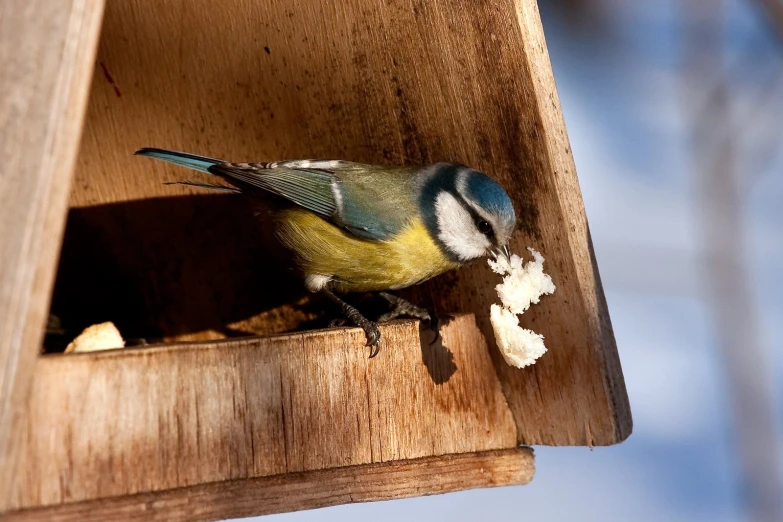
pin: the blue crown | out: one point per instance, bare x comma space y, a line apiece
491, 196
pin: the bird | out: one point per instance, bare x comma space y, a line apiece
359, 228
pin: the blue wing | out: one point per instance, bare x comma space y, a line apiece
310, 189
372, 202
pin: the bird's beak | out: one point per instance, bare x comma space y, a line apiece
502, 251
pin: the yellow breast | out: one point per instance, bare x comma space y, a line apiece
326, 252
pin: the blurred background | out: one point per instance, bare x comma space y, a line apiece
675, 115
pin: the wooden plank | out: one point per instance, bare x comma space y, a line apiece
129, 421
607, 386
382, 82
299, 491
46, 54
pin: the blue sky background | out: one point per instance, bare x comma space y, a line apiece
622, 95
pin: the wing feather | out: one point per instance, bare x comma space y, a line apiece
371, 202
310, 189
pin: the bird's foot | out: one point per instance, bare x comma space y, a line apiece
406, 308
371, 330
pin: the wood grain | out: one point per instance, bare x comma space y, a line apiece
298, 491
139, 420
387, 82
46, 54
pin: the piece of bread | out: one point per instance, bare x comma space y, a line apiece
103, 336
522, 285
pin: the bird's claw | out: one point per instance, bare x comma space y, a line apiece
371, 329
373, 334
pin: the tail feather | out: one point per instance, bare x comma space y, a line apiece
184, 159
209, 186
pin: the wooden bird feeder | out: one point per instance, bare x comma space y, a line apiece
245, 404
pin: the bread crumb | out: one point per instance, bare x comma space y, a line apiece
520, 347
103, 336
523, 285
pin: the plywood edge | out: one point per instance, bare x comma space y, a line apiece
300, 491
47, 51
569, 194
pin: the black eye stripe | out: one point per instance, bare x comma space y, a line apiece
477, 219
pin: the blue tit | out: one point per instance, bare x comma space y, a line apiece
366, 228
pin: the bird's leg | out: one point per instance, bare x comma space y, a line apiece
371, 330
402, 307
405, 307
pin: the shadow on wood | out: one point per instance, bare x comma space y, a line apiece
164, 267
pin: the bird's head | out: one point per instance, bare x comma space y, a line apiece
468, 214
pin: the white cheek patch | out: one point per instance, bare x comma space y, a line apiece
456, 229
